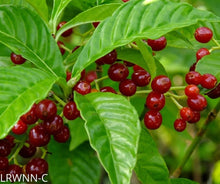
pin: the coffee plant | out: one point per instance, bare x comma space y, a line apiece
110, 91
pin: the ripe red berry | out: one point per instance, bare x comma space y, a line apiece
208, 81
46, 109
197, 103
125, 0
193, 77
152, 119
108, 89
30, 117
128, 64
75, 48
83, 87
37, 166
68, 75
141, 78
70, 111
14, 170
3, 163
196, 117
53, 126
5, 148
214, 93
118, 72
67, 32
158, 44
17, 59
27, 152
155, 101
38, 136
191, 90
193, 67
19, 128
10, 139
91, 76
127, 87
109, 58
161, 84
95, 24
136, 68
186, 113
62, 50
179, 125
201, 53
203, 34
63, 135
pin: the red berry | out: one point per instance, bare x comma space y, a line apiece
83, 87
196, 117
197, 103
5, 148
152, 119
214, 93
141, 78
125, 0
136, 68
38, 136
46, 109
68, 75
70, 111
191, 90
158, 44
53, 126
62, 50
208, 81
193, 67
128, 64
95, 24
201, 53
66, 33
37, 166
30, 117
27, 152
118, 72
127, 87
63, 135
3, 163
161, 84
83, 74
109, 58
91, 76
203, 34
193, 78
13, 171
10, 139
186, 113
108, 89
17, 59
19, 128
155, 101
179, 125
75, 48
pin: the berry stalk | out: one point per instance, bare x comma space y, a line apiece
211, 116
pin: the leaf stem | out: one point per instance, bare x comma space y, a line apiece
99, 79
44, 152
176, 103
65, 48
216, 42
168, 94
211, 116
16, 152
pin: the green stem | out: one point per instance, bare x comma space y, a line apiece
214, 48
143, 91
174, 88
65, 48
211, 116
99, 79
99, 72
44, 152
216, 42
176, 103
168, 94
58, 99
16, 152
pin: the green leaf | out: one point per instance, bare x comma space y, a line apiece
78, 133
134, 56
137, 20
58, 7
80, 166
182, 181
95, 14
5, 61
209, 64
40, 7
71, 59
26, 34
150, 166
19, 88
113, 128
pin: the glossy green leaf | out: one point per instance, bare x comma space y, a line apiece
80, 166
209, 64
5, 61
25, 33
150, 166
40, 7
71, 59
138, 19
77, 132
58, 7
95, 14
19, 88
134, 56
182, 181
113, 127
